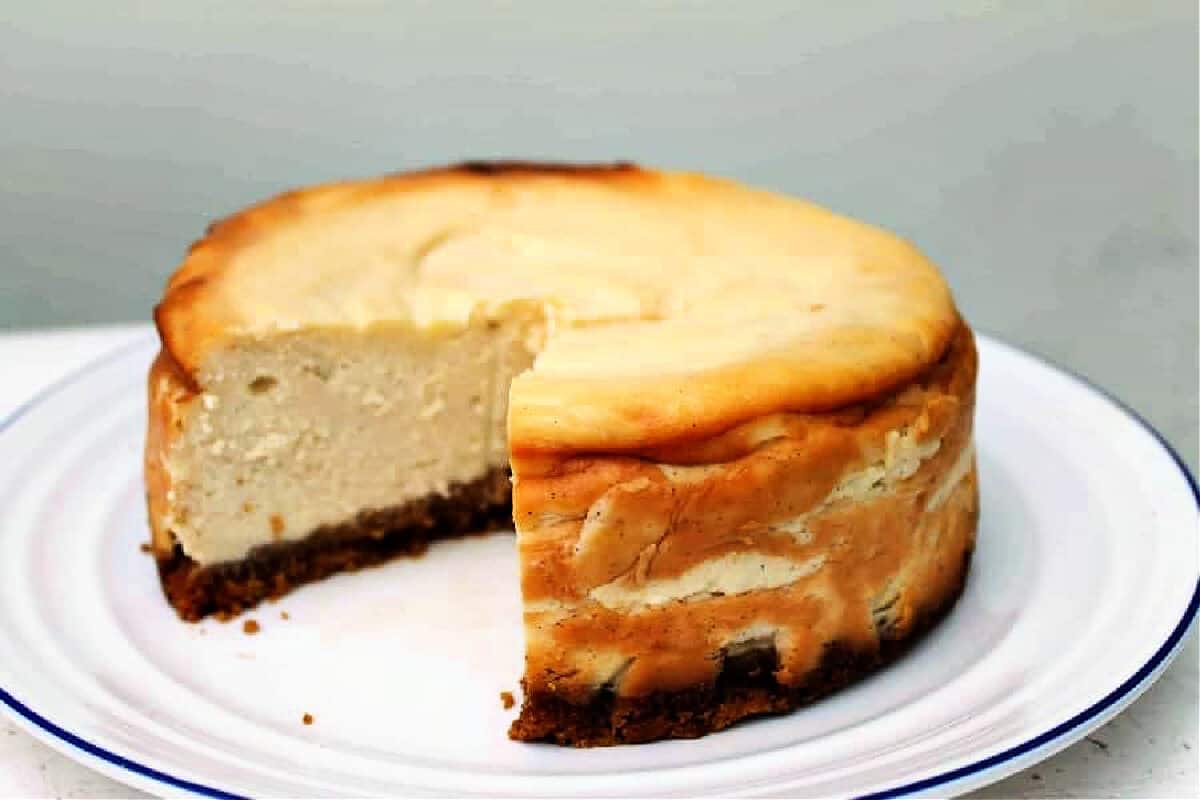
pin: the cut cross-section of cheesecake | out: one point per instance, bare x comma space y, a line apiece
738, 426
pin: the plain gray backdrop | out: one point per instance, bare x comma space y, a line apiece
1044, 154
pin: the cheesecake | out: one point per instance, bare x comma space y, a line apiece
731, 429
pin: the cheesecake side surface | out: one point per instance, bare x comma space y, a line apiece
313, 452
672, 593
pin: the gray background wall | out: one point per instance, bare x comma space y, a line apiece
1045, 154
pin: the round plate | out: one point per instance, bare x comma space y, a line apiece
1083, 584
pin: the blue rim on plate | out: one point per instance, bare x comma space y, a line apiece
1124, 690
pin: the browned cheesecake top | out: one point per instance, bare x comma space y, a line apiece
666, 307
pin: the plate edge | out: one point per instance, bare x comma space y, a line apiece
1126, 692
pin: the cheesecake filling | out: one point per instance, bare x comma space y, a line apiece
310, 429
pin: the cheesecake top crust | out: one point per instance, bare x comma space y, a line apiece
667, 307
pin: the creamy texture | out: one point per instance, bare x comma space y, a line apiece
954, 476
732, 573
740, 572
311, 428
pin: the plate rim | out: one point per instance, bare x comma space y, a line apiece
122, 768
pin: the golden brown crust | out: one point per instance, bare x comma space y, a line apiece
837, 355
683, 410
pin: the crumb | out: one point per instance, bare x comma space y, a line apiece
1099, 743
1036, 776
506, 698
145, 547
307, 719
250, 627
284, 615
276, 524
248, 507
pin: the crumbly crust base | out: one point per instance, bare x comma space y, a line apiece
746, 687
223, 590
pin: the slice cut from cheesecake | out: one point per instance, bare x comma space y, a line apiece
738, 425
312, 452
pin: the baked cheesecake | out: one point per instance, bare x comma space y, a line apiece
731, 429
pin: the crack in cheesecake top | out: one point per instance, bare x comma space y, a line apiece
665, 306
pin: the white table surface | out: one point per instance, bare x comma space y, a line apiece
1150, 750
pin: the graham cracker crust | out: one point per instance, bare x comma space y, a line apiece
372, 537
746, 687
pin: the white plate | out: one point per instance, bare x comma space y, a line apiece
1083, 584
